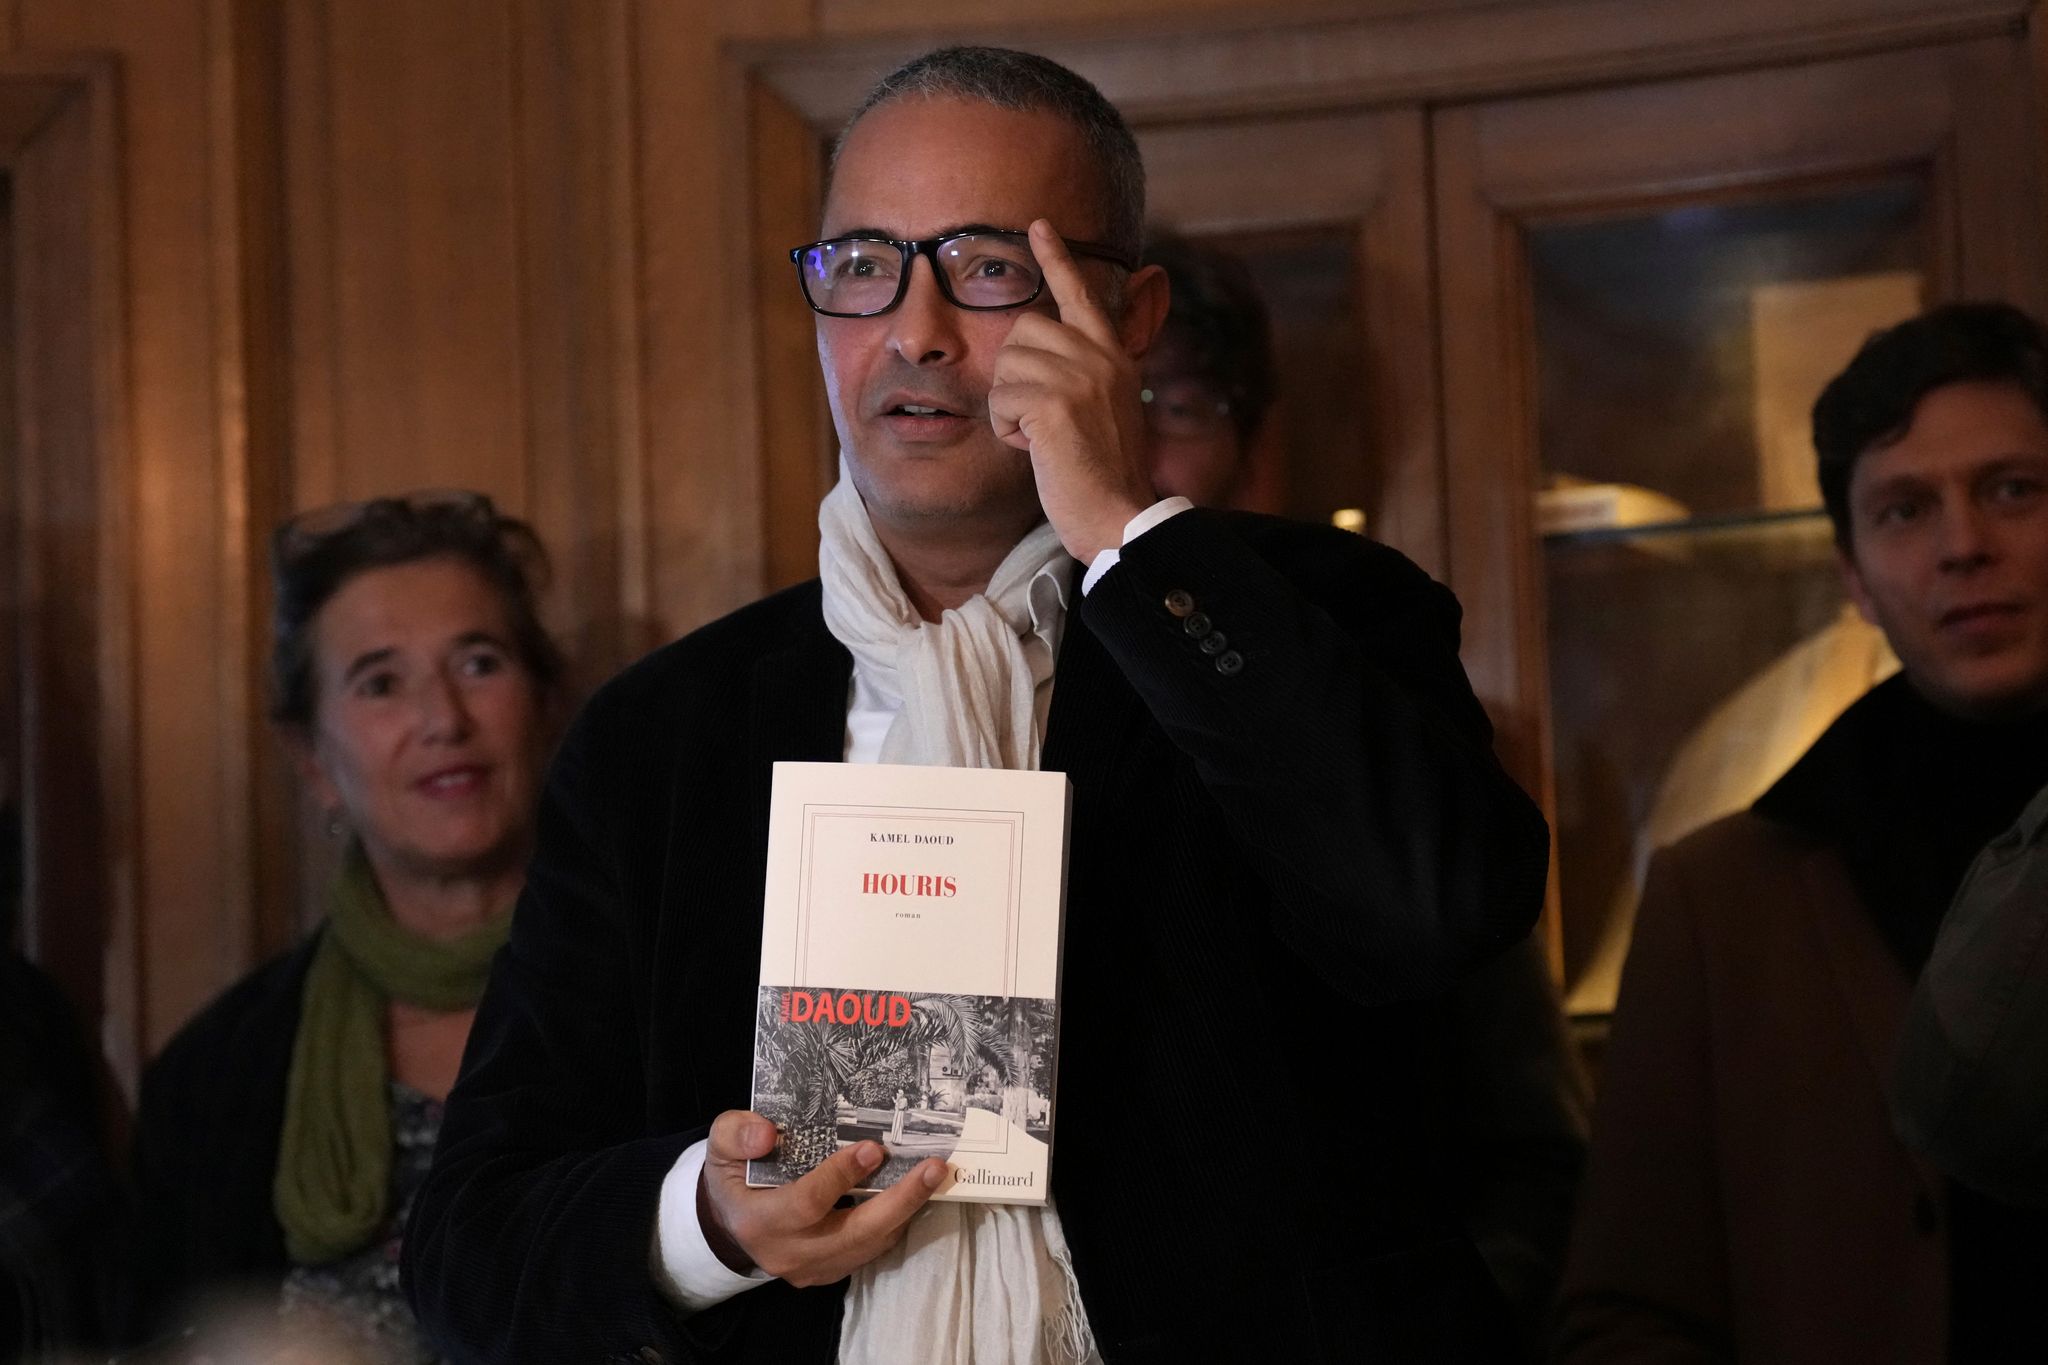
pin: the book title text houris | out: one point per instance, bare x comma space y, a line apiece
913, 884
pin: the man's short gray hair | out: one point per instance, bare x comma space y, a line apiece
1028, 83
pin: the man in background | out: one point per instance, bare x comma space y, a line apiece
1746, 1197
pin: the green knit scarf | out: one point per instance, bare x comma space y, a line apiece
334, 1166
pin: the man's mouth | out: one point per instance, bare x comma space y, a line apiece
1977, 615
919, 410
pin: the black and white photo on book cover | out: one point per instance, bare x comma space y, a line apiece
950, 1076
910, 972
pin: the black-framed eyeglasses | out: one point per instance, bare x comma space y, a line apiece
981, 269
1181, 406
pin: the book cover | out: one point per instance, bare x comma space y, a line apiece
910, 951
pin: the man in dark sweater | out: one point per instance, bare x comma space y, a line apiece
1747, 1197
1287, 829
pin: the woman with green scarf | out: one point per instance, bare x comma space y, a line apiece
283, 1131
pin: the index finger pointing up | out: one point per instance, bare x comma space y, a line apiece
1077, 305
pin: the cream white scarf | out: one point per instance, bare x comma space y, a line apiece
969, 1284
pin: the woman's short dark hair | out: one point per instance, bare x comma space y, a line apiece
1219, 315
1871, 403
316, 553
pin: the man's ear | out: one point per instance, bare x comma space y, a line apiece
1147, 296
1852, 581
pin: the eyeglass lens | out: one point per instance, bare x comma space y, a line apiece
978, 270
1184, 407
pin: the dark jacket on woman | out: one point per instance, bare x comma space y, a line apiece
206, 1142
60, 1214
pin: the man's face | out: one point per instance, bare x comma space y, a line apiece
1950, 552
1192, 443
921, 168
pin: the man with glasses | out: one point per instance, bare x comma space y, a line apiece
1286, 825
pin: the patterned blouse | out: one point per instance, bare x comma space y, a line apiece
358, 1297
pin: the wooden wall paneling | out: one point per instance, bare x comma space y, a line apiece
72, 487
253, 386
313, 457
1257, 59
1367, 173
700, 424
192, 931
852, 17
577, 254
1998, 187
794, 421
420, 188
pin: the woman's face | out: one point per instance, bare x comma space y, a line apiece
427, 728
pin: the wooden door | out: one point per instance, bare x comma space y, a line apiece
1330, 212
1641, 286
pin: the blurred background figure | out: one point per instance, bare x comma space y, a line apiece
1521, 1097
283, 1131
59, 1213
1967, 1087
1209, 377
1747, 1196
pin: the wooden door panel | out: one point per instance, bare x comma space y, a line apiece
1342, 197
1951, 123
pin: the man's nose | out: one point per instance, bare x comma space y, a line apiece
924, 329
1965, 535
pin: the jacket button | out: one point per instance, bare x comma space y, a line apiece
1198, 625
1180, 602
1215, 642
1230, 664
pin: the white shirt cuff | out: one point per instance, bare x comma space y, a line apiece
686, 1269
1135, 527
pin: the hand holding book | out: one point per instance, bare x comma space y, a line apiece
796, 1232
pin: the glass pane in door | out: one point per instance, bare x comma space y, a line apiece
1698, 636
1311, 458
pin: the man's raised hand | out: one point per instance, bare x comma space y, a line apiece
1066, 391
794, 1232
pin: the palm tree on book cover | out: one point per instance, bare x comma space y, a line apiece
817, 1062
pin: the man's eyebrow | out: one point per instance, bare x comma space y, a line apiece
954, 231
2017, 459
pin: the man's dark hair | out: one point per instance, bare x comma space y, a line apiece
1028, 83
1220, 318
314, 555
1871, 403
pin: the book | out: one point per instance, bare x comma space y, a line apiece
910, 956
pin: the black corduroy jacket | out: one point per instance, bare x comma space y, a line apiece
1284, 851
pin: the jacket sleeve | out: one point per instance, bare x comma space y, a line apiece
1646, 1279
533, 1236
1335, 728
1968, 1088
